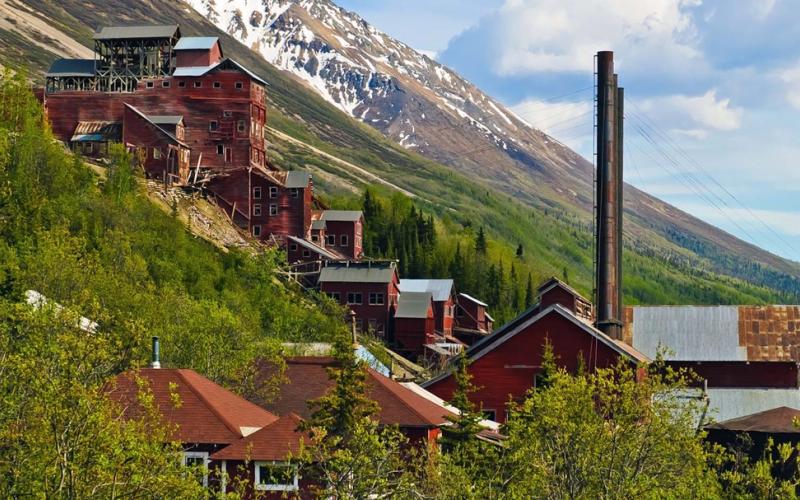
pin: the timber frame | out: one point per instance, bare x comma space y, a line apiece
121, 63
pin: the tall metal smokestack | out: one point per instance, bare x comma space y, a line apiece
608, 224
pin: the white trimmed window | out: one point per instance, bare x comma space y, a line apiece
375, 299
343, 240
257, 192
257, 209
354, 298
273, 209
256, 231
330, 239
276, 476
197, 459
156, 154
273, 192
306, 252
294, 192
220, 149
335, 296
292, 247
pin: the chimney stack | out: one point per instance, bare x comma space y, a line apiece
608, 210
156, 355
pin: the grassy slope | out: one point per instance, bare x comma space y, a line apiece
554, 238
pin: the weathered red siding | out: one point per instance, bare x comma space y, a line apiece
380, 314
767, 374
443, 312
200, 57
149, 141
509, 370
413, 333
354, 232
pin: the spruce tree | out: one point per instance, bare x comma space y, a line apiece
466, 425
480, 242
529, 292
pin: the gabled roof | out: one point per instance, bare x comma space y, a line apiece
207, 413
223, 64
158, 127
196, 43
555, 282
342, 215
71, 67
317, 224
278, 441
357, 273
128, 32
528, 318
473, 299
414, 305
315, 248
306, 378
775, 421
440, 289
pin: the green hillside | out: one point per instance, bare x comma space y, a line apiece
102, 248
557, 239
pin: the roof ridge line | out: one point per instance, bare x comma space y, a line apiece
413, 410
236, 430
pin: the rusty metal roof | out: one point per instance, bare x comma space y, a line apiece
97, 131
716, 333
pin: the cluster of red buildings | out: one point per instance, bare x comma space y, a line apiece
194, 117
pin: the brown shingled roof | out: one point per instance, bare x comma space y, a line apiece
278, 441
775, 421
207, 412
307, 379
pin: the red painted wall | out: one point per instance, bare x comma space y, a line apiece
509, 370
382, 314
771, 374
413, 333
198, 57
354, 231
147, 138
557, 295
443, 313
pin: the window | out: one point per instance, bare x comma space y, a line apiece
165, 84
257, 209
240, 127
217, 85
239, 85
256, 231
489, 414
257, 192
227, 114
306, 252
276, 476
182, 83
343, 240
197, 459
198, 84
88, 147
149, 85
273, 209
293, 247
156, 154
315, 238
220, 149
294, 192
330, 239
213, 125
334, 296
354, 298
273, 192
375, 299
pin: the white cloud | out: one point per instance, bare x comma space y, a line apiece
554, 35
570, 122
694, 116
791, 77
430, 53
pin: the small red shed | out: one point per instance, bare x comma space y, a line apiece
414, 323
344, 230
441, 291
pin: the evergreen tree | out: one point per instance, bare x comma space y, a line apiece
480, 242
529, 292
520, 251
465, 426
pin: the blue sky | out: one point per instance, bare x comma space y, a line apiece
712, 86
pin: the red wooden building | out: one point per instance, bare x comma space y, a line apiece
472, 322
414, 323
441, 291
505, 364
344, 231
369, 289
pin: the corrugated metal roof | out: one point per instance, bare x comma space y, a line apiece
341, 215
473, 299
97, 131
357, 273
165, 119
196, 43
440, 289
71, 67
413, 305
317, 225
192, 70
725, 404
297, 179
127, 32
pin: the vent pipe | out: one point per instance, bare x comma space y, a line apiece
156, 355
608, 224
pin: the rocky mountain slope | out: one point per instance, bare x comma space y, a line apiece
429, 108
524, 186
